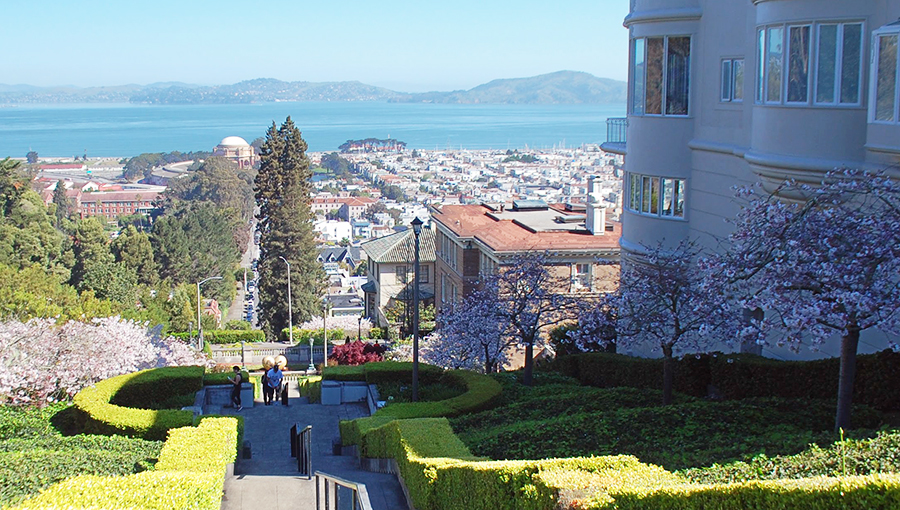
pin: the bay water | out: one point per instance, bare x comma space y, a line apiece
124, 130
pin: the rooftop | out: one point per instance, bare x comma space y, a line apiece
505, 230
400, 247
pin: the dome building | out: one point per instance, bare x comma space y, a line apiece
238, 150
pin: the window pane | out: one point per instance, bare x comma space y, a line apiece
886, 79
825, 70
679, 198
738, 92
850, 63
645, 205
668, 194
635, 192
726, 80
798, 65
653, 103
654, 195
774, 63
678, 76
637, 95
761, 64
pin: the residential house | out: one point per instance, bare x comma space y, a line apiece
391, 261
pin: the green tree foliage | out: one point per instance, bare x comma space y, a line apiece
30, 292
111, 280
339, 166
31, 157
27, 237
140, 166
12, 185
193, 241
91, 247
63, 207
133, 250
221, 182
285, 226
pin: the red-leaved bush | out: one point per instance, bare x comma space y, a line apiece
357, 353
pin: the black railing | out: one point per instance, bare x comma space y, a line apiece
615, 130
301, 448
339, 493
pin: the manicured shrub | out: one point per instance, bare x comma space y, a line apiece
389, 371
217, 378
102, 417
148, 388
357, 353
302, 336
189, 474
345, 373
678, 436
737, 376
233, 336
880, 454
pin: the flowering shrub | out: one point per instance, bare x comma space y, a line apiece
349, 323
42, 362
357, 353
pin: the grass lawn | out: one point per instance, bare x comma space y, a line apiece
35, 451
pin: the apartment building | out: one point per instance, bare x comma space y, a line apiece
473, 240
733, 92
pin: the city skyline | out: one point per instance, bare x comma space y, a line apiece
401, 45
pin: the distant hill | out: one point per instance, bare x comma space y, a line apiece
566, 87
561, 87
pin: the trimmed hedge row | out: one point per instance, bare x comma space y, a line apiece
441, 474
102, 416
190, 475
481, 391
233, 336
739, 376
212, 379
302, 336
383, 371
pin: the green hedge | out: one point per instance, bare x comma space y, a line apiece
481, 392
302, 336
345, 373
738, 376
233, 336
190, 474
311, 388
383, 371
875, 492
211, 379
101, 416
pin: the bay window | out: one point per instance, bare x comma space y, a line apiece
885, 98
790, 56
657, 196
660, 75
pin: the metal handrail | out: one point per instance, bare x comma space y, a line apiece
360, 494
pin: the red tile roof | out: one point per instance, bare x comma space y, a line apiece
506, 235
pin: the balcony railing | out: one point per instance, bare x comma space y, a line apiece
615, 130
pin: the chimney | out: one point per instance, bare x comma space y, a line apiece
596, 219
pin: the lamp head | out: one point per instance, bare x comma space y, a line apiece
417, 225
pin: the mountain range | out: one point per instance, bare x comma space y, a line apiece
562, 87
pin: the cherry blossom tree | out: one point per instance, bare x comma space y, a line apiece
42, 362
470, 334
820, 261
596, 327
665, 302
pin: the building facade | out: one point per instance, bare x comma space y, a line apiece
474, 240
391, 267
238, 150
730, 93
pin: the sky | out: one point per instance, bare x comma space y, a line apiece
404, 45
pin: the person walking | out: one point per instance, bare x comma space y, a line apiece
237, 380
273, 383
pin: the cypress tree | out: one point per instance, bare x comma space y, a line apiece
283, 192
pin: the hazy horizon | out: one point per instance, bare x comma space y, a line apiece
401, 45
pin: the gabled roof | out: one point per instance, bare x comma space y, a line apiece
400, 247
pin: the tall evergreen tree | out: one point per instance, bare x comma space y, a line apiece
91, 247
285, 226
62, 202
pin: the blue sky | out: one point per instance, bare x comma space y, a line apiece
400, 44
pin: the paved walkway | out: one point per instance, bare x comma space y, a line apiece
269, 480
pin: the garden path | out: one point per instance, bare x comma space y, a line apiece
269, 479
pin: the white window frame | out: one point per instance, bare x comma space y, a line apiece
582, 280
731, 80
761, 92
665, 77
640, 179
894, 30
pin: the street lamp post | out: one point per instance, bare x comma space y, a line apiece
359, 330
417, 229
290, 313
199, 325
